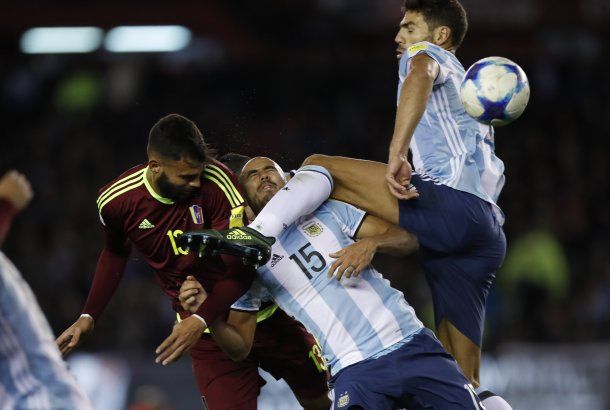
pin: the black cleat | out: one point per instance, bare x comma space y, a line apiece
202, 242
246, 243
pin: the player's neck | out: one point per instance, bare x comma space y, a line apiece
152, 183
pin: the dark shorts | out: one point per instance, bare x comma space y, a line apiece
418, 375
462, 245
281, 347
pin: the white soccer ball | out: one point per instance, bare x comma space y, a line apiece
495, 91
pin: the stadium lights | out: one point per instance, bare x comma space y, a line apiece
133, 39
58, 40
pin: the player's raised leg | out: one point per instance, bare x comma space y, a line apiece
361, 183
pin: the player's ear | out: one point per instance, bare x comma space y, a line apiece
441, 35
154, 166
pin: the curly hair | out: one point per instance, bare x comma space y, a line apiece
437, 13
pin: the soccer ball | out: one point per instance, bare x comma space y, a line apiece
495, 91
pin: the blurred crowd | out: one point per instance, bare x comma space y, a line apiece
325, 85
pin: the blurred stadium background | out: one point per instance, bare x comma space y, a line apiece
288, 78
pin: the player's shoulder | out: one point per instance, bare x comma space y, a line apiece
432, 50
216, 169
219, 179
123, 186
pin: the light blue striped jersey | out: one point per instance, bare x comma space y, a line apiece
448, 146
354, 319
32, 372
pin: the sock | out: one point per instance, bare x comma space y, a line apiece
491, 401
303, 194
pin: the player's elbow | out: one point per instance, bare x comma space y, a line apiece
239, 354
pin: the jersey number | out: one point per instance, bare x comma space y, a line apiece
313, 259
172, 238
315, 354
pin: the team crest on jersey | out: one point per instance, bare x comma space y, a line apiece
196, 214
343, 400
313, 229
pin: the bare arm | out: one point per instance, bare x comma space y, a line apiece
414, 96
235, 335
235, 282
15, 194
108, 274
375, 235
387, 238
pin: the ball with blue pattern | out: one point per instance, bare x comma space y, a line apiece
495, 91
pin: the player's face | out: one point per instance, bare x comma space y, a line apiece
179, 180
413, 29
261, 178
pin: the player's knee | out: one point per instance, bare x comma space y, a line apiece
317, 159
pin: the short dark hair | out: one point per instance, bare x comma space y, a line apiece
175, 137
234, 161
437, 13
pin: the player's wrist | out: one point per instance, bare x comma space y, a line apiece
87, 316
86, 320
202, 320
398, 150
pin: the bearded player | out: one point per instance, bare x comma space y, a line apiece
181, 188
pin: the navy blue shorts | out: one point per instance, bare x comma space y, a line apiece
462, 245
418, 375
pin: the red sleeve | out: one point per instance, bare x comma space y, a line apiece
231, 287
225, 201
108, 272
225, 206
7, 213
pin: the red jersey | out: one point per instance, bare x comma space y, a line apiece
7, 212
134, 215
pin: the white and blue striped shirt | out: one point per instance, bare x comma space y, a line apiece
355, 319
448, 146
32, 372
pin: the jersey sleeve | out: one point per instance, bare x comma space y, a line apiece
224, 208
226, 205
348, 216
436, 53
7, 213
252, 299
110, 265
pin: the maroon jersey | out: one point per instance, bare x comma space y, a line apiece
134, 215
7, 212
